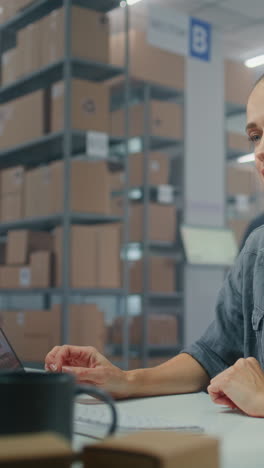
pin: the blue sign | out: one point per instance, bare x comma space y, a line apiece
200, 39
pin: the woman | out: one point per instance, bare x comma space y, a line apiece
228, 359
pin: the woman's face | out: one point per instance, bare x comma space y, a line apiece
255, 124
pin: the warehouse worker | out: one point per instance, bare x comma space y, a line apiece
228, 359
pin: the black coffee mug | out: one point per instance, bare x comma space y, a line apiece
39, 402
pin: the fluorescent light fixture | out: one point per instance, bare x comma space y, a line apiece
255, 61
247, 158
128, 2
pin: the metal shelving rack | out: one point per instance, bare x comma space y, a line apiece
61, 145
68, 143
141, 91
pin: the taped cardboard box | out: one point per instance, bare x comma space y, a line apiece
90, 36
15, 114
33, 333
239, 81
166, 120
90, 106
155, 449
22, 243
31, 450
162, 276
86, 325
95, 256
148, 63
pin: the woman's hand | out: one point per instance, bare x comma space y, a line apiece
240, 386
90, 367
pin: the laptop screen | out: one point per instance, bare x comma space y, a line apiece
8, 357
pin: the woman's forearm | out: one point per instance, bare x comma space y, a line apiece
181, 374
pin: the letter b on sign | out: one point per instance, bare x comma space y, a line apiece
200, 39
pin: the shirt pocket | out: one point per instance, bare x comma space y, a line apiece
258, 327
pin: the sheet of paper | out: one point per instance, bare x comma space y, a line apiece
94, 419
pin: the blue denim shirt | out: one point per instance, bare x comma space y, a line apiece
237, 330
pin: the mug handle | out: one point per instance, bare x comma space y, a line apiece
103, 396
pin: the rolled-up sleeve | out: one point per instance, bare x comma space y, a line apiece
223, 342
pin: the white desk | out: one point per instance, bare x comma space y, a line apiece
242, 437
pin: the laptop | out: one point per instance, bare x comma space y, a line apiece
8, 358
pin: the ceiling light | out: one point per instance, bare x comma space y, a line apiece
128, 2
255, 61
247, 158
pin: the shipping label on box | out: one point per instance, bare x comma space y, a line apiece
97, 145
165, 194
25, 277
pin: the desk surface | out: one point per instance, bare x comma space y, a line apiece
242, 437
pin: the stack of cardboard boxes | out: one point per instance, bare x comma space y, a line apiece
12, 186
28, 260
34, 258
41, 44
162, 330
35, 332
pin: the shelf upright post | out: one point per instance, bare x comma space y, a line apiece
126, 226
146, 209
67, 152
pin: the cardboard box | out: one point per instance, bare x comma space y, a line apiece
161, 276
162, 220
95, 256
90, 106
21, 244
239, 81
166, 120
90, 36
12, 277
89, 193
155, 449
238, 142
12, 180
33, 333
12, 116
38, 197
9, 66
29, 42
86, 325
162, 330
148, 63
11, 207
239, 227
30, 450
158, 169
41, 265
241, 180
